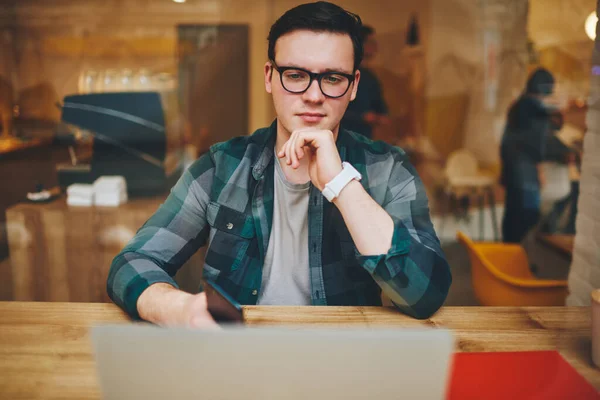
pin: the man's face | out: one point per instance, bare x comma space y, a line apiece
316, 52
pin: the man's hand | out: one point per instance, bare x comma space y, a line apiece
319, 146
195, 311
164, 305
370, 226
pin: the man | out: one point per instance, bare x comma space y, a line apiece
368, 109
273, 236
530, 126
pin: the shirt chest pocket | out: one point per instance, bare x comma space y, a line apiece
231, 233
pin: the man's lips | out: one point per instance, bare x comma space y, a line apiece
311, 117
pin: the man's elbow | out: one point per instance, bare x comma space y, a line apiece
436, 296
432, 300
434, 303
115, 266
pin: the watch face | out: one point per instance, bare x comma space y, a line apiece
350, 167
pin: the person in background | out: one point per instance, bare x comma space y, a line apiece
553, 222
299, 213
368, 109
531, 122
564, 150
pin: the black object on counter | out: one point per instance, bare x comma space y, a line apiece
130, 138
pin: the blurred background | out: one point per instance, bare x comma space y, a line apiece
141, 88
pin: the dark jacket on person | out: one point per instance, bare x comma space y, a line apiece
524, 143
369, 98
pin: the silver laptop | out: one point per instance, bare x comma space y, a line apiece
145, 362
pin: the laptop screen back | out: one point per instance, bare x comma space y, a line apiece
147, 362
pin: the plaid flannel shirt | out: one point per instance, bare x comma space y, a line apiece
226, 198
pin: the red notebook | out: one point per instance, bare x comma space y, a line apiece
517, 375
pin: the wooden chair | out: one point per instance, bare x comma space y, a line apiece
501, 277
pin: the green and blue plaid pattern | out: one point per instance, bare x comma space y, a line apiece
226, 199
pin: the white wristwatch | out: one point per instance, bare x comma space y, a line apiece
335, 186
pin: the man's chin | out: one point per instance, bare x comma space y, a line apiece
299, 124
323, 124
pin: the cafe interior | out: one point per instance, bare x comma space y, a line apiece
104, 104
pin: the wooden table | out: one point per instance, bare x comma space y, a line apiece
562, 243
45, 351
63, 253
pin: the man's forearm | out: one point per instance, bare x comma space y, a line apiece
370, 225
162, 304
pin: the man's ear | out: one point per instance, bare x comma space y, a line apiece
355, 85
268, 76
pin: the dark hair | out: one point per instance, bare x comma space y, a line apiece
366, 31
541, 82
319, 17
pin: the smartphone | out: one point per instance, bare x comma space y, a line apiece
222, 307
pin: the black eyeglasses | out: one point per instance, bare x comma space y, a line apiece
297, 80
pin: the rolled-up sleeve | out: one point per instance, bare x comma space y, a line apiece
166, 241
414, 273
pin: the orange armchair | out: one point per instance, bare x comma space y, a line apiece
501, 277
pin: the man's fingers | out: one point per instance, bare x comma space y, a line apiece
293, 154
299, 145
204, 322
201, 318
286, 150
299, 142
289, 150
300, 152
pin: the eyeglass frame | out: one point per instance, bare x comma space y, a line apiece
313, 76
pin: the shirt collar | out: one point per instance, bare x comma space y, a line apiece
265, 141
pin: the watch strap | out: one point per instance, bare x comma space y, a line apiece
335, 186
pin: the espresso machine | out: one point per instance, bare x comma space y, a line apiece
136, 135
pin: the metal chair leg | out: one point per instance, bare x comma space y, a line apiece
481, 201
492, 200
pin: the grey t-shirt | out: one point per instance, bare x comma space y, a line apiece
285, 277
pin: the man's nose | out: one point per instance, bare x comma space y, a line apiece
313, 93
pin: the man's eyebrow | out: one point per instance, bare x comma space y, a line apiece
337, 70
341, 70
